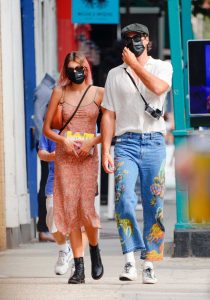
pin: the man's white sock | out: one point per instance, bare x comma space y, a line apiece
129, 257
147, 265
64, 247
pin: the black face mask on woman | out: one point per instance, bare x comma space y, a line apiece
134, 44
76, 75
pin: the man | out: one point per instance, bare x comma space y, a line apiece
47, 153
42, 96
138, 126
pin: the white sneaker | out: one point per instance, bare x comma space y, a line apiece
148, 276
62, 264
129, 273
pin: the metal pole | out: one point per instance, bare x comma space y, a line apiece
180, 132
186, 35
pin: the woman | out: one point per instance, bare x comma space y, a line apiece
76, 161
46, 153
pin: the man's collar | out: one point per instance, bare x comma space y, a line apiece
149, 62
123, 65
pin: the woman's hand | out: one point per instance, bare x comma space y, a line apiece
85, 147
69, 147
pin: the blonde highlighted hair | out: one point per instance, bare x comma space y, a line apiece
79, 58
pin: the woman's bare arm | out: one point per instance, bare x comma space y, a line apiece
47, 130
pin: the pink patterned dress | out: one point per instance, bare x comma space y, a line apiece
76, 181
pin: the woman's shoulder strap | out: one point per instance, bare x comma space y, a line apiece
62, 94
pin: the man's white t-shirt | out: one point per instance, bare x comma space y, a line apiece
122, 97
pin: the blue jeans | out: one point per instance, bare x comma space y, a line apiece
142, 154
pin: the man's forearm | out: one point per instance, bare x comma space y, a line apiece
152, 82
107, 131
46, 155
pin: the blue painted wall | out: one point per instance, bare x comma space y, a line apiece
29, 69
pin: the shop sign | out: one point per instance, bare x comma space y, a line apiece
95, 11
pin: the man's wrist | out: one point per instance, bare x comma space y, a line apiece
105, 152
136, 66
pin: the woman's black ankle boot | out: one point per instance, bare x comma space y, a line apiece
97, 269
79, 273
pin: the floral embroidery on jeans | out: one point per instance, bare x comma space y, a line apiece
158, 187
153, 255
126, 226
159, 218
156, 234
119, 186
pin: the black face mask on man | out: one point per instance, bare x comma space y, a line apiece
134, 44
76, 75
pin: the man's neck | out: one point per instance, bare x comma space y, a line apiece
142, 59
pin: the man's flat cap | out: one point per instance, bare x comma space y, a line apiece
135, 27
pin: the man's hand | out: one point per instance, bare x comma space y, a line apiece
155, 84
129, 57
107, 163
52, 156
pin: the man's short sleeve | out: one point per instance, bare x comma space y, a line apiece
166, 72
44, 143
108, 102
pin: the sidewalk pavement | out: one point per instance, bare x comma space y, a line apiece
27, 273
